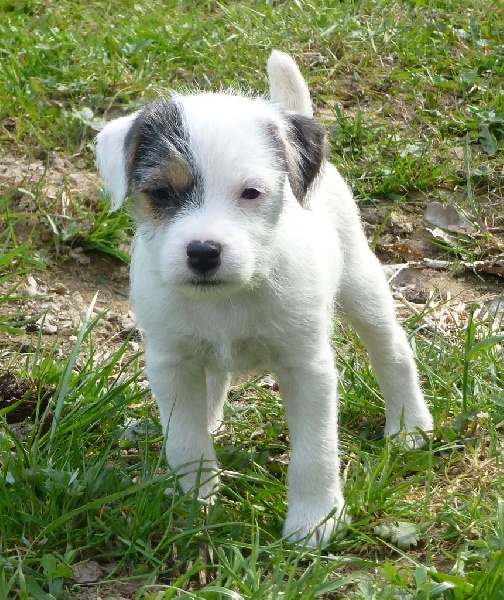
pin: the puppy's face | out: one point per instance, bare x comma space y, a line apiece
209, 175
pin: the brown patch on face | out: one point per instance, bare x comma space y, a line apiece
145, 211
164, 192
177, 174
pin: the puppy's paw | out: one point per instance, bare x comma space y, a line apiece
410, 435
215, 425
313, 530
410, 440
205, 484
208, 488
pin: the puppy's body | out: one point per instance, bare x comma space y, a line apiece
247, 239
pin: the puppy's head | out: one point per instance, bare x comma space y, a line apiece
209, 176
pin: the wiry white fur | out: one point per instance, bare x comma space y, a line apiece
287, 85
283, 269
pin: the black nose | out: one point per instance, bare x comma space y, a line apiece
203, 257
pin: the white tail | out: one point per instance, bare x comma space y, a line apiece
287, 85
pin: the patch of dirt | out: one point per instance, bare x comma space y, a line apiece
52, 302
53, 176
119, 590
47, 185
404, 240
24, 393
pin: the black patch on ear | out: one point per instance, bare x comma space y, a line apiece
309, 141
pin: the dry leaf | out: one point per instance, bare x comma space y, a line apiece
404, 276
448, 218
491, 267
495, 306
402, 533
439, 234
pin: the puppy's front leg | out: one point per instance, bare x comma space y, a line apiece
315, 500
218, 383
180, 391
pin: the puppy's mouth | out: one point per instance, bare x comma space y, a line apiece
209, 280
207, 283
211, 287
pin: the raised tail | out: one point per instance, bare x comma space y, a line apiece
287, 85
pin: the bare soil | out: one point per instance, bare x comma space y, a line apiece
44, 195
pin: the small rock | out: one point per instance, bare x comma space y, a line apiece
40, 154
9, 124
127, 323
87, 572
268, 383
447, 217
59, 288
402, 533
76, 254
402, 275
49, 329
30, 289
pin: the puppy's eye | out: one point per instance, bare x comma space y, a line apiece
162, 195
250, 194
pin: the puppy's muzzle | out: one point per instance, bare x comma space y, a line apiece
203, 258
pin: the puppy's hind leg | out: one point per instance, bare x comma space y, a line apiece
367, 302
217, 383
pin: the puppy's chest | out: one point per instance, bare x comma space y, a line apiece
236, 355
233, 341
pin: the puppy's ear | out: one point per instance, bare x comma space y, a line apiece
111, 158
287, 86
306, 155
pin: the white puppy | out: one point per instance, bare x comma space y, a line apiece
246, 240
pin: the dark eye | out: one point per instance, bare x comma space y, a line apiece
162, 195
250, 194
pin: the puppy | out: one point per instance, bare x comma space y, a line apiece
247, 238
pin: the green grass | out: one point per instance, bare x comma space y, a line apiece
77, 489
410, 93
